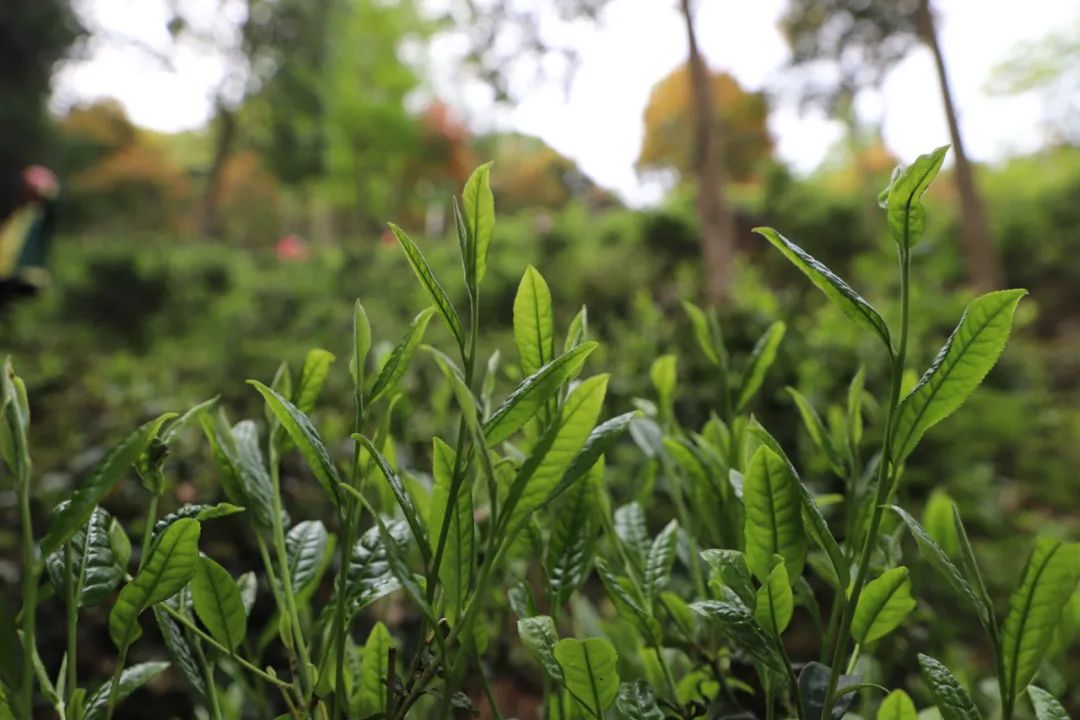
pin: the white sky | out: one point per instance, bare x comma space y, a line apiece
637, 43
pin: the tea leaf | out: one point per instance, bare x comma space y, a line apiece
659, 561
960, 366
170, 566
626, 604
816, 430
951, 699
883, 605
853, 305
637, 701
578, 332
600, 440
131, 679
741, 630
404, 499
705, 333
572, 545
729, 568
198, 512
455, 573
539, 637
541, 472
430, 284
938, 520
1046, 705
937, 558
369, 576
813, 685
95, 568
534, 325
761, 359
306, 438
101, 482
902, 200
534, 392
1049, 578
361, 348
371, 689
629, 524
774, 603
773, 519
312, 378
897, 705
396, 364
218, 603
305, 551
590, 673
479, 207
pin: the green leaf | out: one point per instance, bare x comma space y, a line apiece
951, 699
1049, 578
455, 572
629, 525
741, 630
180, 651
131, 679
773, 519
534, 392
775, 603
369, 575
198, 511
883, 605
902, 200
938, 520
600, 440
97, 571
541, 472
637, 701
813, 686
534, 324
244, 476
853, 305
101, 482
306, 438
937, 558
704, 332
659, 561
361, 348
431, 285
305, 551
404, 499
312, 378
1046, 705
394, 367
628, 603
218, 603
479, 206
171, 564
572, 545
761, 359
371, 690
960, 366
578, 332
897, 705
539, 637
589, 669
664, 375
729, 570
815, 428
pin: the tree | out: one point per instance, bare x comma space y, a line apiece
714, 213
668, 142
34, 35
850, 45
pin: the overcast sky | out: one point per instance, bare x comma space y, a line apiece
637, 43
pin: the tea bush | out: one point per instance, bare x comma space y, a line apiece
689, 573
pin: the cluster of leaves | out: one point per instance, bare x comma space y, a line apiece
516, 505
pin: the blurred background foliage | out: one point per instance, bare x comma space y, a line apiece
169, 285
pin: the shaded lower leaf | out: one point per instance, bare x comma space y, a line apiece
305, 550
1046, 705
741, 630
539, 637
218, 603
180, 650
952, 700
97, 570
637, 701
371, 685
813, 686
131, 679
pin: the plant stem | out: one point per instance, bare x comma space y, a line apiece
885, 478
72, 608
286, 582
211, 685
114, 684
340, 625
668, 678
148, 531
30, 581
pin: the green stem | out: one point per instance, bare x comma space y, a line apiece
114, 684
886, 477
286, 582
30, 582
340, 624
208, 676
148, 530
71, 607
669, 679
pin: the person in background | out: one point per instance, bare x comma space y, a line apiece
27, 217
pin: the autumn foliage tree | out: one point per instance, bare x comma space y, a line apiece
668, 141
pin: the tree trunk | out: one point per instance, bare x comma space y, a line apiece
980, 256
715, 216
226, 133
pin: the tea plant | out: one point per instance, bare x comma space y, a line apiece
515, 516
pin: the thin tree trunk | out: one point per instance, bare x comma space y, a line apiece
226, 133
715, 216
980, 256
